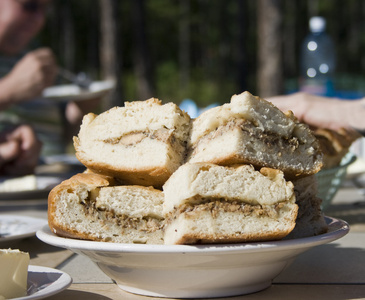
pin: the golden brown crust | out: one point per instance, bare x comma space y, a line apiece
193, 238
67, 232
145, 177
89, 179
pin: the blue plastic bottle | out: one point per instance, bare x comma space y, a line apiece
317, 60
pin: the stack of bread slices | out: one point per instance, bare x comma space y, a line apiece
240, 172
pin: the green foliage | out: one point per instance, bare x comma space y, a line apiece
222, 34
203, 91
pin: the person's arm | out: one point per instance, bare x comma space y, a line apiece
30, 76
322, 111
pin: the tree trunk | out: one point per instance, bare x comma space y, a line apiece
291, 62
184, 43
142, 63
270, 75
93, 38
109, 54
241, 49
68, 45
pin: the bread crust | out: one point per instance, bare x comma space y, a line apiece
156, 176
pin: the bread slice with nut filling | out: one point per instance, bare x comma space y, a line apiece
142, 143
90, 206
251, 130
207, 203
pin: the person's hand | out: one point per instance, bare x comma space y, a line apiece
31, 75
19, 151
322, 112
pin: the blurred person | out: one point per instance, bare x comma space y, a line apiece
324, 112
23, 77
26, 77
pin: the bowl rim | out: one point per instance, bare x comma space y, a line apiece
337, 228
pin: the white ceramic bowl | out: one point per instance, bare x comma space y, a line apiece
200, 271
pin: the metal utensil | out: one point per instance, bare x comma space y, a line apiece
80, 79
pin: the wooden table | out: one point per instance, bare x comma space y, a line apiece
331, 271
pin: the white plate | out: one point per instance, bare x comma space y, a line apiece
44, 186
44, 282
196, 271
72, 92
14, 227
68, 159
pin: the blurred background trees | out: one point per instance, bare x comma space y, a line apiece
200, 49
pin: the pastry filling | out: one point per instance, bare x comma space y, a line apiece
216, 206
146, 223
249, 129
133, 138
261, 148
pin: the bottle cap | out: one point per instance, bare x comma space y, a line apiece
317, 24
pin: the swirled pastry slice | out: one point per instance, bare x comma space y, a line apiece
142, 143
89, 206
206, 203
251, 130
